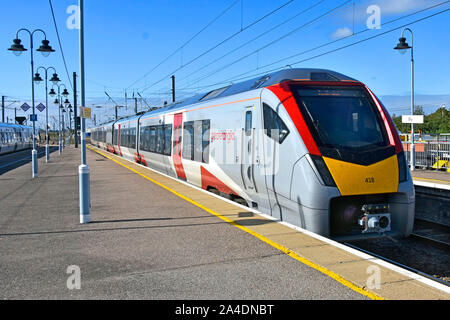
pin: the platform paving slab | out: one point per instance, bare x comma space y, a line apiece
143, 243
305, 246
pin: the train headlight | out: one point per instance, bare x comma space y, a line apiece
375, 222
383, 222
323, 170
402, 167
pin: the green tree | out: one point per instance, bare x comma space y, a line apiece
437, 122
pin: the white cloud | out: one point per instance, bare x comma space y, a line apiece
341, 33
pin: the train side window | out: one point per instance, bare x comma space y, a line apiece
128, 137
274, 127
167, 139
248, 123
188, 140
142, 138
160, 139
114, 137
205, 140
132, 138
122, 137
198, 141
152, 141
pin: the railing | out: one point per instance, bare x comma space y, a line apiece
430, 155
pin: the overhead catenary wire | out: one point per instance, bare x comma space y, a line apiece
239, 77
60, 45
217, 45
184, 44
255, 38
310, 22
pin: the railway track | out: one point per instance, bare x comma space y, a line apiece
426, 252
16, 159
432, 232
424, 274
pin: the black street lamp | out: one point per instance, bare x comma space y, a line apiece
58, 101
17, 48
402, 47
37, 78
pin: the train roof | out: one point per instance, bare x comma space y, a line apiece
13, 125
252, 84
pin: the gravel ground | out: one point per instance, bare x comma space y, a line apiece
411, 252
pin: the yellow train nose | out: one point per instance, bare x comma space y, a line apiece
354, 179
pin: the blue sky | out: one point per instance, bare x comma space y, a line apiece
126, 39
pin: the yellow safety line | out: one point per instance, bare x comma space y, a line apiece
418, 178
283, 249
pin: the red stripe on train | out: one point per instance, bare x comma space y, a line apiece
209, 180
284, 94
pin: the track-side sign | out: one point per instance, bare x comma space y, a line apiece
25, 107
40, 107
412, 119
33, 117
85, 112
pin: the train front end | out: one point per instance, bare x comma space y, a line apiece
354, 147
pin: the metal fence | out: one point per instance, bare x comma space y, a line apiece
430, 154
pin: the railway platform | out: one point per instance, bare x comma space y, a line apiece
153, 237
432, 178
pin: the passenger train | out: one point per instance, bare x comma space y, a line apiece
311, 147
14, 137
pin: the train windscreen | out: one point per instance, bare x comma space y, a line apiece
342, 118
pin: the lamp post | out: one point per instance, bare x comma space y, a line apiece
402, 46
37, 78
66, 105
83, 169
58, 102
17, 48
70, 121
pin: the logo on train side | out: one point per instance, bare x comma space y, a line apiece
227, 136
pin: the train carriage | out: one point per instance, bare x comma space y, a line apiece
311, 147
14, 137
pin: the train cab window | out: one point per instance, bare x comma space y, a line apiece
274, 127
342, 117
167, 139
248, 123
188, 140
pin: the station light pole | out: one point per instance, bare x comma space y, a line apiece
37, 78
70, 120
58, 102
66, 105
83, 169
402, 46
17, 48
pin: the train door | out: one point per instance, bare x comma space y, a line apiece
248, 154
177, 145
252, 164
281, 151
